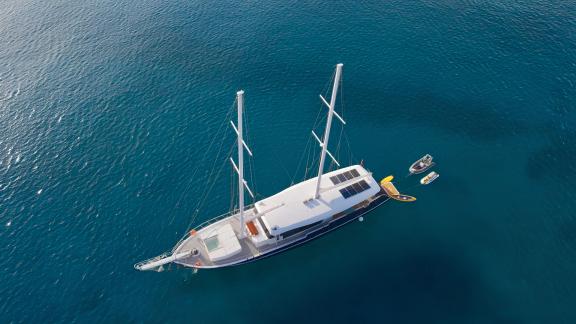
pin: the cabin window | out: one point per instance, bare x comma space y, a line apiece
295, 231
354, 189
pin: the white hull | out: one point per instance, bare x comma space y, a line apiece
252, 253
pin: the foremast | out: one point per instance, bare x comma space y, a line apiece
324, 142
240, 168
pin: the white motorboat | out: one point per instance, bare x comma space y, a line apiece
422, 164
429, 178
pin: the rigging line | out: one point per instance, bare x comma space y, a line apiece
306, 157
231, 189
207, 192
210, 187
342, 95
352, 155
282, 165
251, 159
328, 83
315, 158
253, 185
192, 178
310, 152
342, 127
221, 129
317, 121
338, 146
302, 156
219, 134
252, 181
210, 172
340, 136
320, 118
308, 142
333, 165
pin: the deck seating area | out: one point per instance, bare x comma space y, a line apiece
252, 228
221, 242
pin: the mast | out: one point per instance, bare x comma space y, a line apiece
324, 142
240, 95
240, 168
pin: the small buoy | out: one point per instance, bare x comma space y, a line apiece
361, 218
9, 223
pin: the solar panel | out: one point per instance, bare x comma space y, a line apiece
345, 193
352, 190
364, 185
335, 180
348, 175
355, 189
344, 176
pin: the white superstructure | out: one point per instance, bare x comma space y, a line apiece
297, 207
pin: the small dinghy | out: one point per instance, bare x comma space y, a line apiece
429, 178
422, 165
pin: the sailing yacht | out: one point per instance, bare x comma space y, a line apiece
292, 217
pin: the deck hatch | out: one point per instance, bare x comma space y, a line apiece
212, 243
354, 189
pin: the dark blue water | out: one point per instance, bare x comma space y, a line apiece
107, 109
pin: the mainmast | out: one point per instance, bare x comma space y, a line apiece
240, 168
324, 142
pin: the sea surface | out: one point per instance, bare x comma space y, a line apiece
113, 128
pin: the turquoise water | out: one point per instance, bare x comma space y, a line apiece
108, 107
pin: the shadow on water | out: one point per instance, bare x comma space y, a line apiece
473, 118
420, 286
555, 160
432, 285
